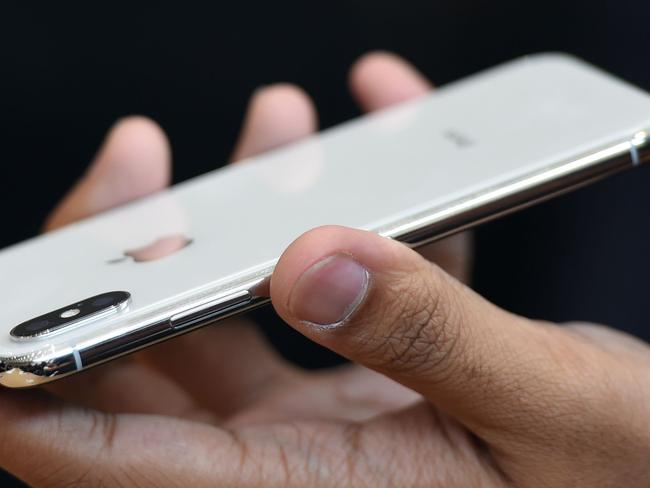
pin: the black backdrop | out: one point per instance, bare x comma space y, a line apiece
67, 73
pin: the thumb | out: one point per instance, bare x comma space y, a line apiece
378, 303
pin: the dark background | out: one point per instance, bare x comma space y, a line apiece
66, 74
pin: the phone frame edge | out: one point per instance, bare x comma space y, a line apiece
420, 229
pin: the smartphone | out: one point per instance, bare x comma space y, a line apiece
204, 250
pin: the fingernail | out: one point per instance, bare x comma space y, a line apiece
329, 291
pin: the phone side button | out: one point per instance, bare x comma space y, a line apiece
210, 310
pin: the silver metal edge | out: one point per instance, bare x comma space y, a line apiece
29, 370
240, 298
440, 222
425, 227
154, 334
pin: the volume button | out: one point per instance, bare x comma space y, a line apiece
209, 310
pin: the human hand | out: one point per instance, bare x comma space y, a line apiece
157, 417
501, 400
507, 401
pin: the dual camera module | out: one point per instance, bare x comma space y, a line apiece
72, 314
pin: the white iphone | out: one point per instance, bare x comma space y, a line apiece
203, 250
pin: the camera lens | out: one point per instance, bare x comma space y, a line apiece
32, 328
37, 326
103, 301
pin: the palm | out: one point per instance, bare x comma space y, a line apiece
359, 428
356, 426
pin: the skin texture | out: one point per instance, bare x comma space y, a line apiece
445, 388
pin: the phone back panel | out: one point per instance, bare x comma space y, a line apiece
368, 173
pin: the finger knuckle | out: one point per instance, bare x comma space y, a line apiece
417, 332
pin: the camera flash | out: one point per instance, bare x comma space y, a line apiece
70, 313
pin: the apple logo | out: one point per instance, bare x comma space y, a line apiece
158, 249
